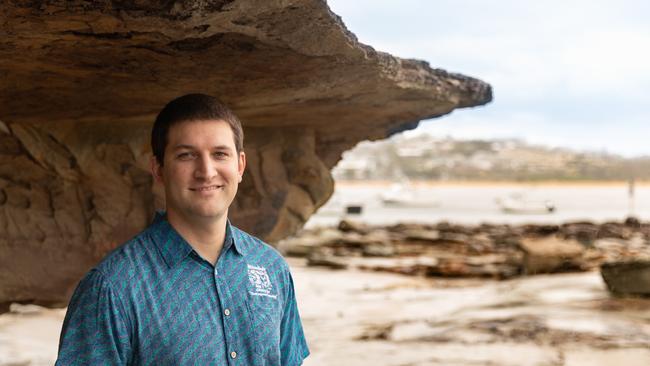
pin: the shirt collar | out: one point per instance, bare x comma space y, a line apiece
174, 248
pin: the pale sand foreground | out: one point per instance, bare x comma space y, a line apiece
363, 318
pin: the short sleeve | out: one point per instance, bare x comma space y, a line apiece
293, 346
95, 330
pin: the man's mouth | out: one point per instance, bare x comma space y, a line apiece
206, 188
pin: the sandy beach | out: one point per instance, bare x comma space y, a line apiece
364, 318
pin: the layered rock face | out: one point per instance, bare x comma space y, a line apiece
82, 82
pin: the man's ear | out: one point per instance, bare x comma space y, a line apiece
156, 169
241, 164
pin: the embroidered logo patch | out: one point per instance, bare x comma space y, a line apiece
261, 282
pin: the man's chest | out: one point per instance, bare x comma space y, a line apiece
219, 316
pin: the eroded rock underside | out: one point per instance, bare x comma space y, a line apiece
81, 83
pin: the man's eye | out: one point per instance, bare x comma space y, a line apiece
220, 154
184, 156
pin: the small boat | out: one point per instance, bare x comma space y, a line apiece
336, 207
404, 195
518, 204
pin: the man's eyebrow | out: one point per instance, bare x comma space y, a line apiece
216, 147
183, 146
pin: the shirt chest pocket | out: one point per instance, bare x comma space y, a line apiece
265, 314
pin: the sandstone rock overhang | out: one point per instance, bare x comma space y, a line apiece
81, 82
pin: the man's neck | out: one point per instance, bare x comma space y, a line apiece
206, 237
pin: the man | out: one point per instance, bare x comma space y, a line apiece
191, 288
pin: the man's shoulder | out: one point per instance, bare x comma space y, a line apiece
253, 244
133, 256
258, 248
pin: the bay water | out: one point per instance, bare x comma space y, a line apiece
475, 203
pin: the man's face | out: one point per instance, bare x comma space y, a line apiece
201, 170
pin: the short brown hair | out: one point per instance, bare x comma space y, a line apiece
192, 107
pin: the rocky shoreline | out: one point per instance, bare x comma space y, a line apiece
442, 294
486, 250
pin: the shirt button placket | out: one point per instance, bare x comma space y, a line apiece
226, 311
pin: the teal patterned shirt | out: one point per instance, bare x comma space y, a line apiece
155, 301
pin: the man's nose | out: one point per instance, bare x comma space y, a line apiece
205, 168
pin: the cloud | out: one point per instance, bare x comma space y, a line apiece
563, 72
608, 61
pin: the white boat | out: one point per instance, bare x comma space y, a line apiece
518, 204
404, 195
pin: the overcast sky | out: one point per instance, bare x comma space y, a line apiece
567, 73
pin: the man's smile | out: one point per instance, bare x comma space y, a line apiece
206, 188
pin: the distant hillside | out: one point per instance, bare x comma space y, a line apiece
430, 158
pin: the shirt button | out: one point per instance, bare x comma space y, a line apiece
227, 312
233, 354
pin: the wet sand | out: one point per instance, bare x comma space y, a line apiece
365, 318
